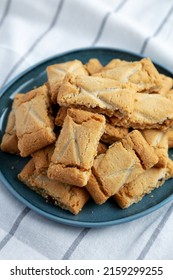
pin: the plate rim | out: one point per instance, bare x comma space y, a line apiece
52, 216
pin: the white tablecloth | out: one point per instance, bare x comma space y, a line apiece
34, 30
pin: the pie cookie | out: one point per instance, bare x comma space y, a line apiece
121, 164
150, 111
151, 179
34, 124
141, 73
93, 66
76, 147
94, 187
159, 141
103, 95
112, 133
137, 189
9, 142
68, 197
115, 63
57, 72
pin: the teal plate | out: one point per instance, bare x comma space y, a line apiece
92, 215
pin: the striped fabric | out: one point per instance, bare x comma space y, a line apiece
34, 30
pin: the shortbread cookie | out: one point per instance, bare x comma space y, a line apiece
151, 179
170, 137
9, 140
93, 66
159, 141
57, 72
94, 187
112, 134
34, 124
76, 147
68, 197
122, 163
137, 189
150, 111
141, 73
103, 95
135, 141
115, 63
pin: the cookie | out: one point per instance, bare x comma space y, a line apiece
9, 142
42, 158
150, 111
158, 139
146, 182
34, 123
76, 147
94, 93
112, 133
122, 163
57, 72
141, 73
137, 189
93, 66
67, 197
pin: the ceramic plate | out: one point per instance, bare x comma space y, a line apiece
92, 215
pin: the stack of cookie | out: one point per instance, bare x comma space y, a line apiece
115, 128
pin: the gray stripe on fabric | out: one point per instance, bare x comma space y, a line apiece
6, 10
155, 234
75, 244
167, 16
14, 227
55, 18
103, 23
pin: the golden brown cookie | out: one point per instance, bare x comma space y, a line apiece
93, 66
150, 111
141, 73
76, 147
9, 140
94, 93
34, 123
67, 197
122, 163
158, 139
151, 179
112, 133
57, 72
134, 191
